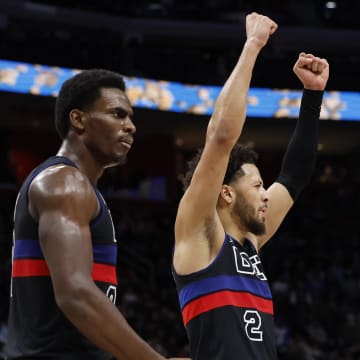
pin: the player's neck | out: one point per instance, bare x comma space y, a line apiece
232, 228
76, 152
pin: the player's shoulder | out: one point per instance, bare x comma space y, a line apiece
61, 179
62, 188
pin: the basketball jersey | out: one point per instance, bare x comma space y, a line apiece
227, 307
37, 327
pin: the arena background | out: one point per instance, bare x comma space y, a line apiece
164, 47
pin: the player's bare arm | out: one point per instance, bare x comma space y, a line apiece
64, 202
198, 231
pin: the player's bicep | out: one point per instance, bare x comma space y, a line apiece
66, 244
64, 203
279, 204
199, 201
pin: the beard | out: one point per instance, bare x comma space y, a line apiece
244, 213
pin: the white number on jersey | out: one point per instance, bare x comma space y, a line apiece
253, 324
111, 293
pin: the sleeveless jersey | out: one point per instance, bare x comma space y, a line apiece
37, 327
227, 307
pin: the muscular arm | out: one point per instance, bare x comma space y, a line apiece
300, 157
198, 231
64, 203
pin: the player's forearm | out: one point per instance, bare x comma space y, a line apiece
230, 108
300, 157
100, 321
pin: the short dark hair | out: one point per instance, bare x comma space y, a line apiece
80, 92
240, 154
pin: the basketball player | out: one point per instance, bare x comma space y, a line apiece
64, 258
226, 216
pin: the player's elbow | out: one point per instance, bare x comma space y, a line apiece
70, 296
222, 137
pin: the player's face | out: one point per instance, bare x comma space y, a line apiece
109, 128
251, 200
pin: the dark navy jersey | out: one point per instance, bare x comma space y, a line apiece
227, 308
37, 327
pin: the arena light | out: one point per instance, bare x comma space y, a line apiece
331, 5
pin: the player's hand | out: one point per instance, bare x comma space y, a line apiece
312, 71
259, 28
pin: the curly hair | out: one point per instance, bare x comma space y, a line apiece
80, 92
240, 154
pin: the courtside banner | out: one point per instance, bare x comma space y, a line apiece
45, 80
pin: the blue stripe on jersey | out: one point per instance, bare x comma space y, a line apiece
27, 249
105, 254
30, 249
223, 282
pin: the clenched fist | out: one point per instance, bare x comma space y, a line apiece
312, 71
259, 28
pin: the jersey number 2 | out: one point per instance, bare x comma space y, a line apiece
253, 325
111, 293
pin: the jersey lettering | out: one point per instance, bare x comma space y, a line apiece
248, 265
255, 261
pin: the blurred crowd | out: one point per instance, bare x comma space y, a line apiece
314, 270
312, 263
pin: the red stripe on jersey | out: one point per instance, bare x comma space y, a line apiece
225, 298
104, 273
29, 267
32, 267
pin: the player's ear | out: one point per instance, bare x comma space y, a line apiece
227, 194
77, 118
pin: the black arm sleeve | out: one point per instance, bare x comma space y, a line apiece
299, 160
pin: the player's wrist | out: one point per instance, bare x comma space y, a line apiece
314, 87
254, 44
